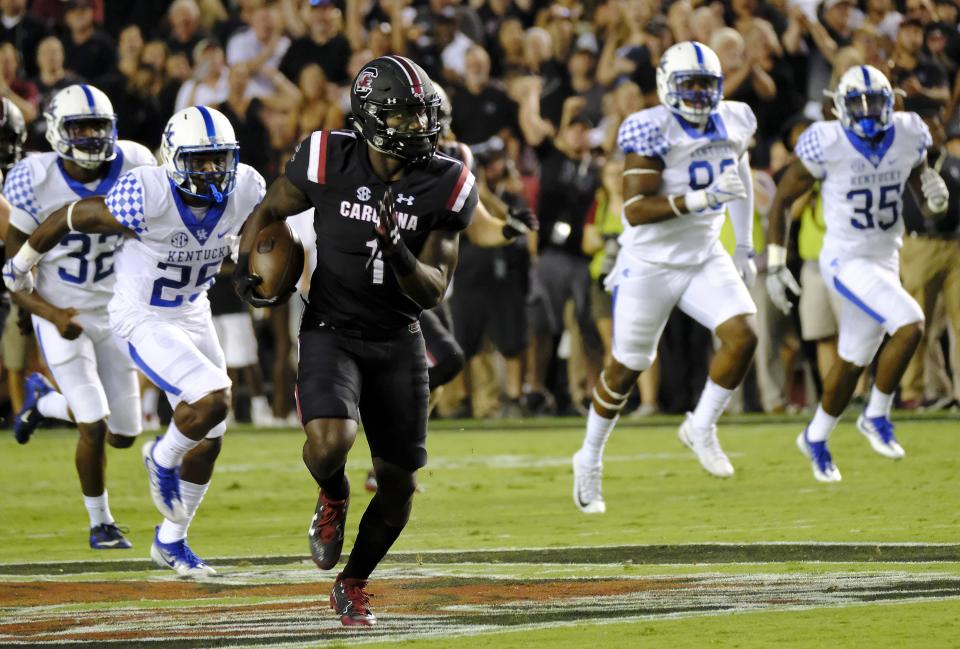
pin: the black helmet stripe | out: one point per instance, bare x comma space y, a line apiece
407, 66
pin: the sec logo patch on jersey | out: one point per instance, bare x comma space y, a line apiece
179, 240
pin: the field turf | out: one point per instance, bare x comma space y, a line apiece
496, 555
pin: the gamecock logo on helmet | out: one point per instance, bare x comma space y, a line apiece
365, 82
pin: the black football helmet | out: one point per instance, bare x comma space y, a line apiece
13, 134
396, 108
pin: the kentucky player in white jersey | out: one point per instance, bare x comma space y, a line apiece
864, 160
686, 164
180, 222
74, 283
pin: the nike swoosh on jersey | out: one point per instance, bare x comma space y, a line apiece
222, 235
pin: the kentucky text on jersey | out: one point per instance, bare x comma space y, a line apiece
210, 254
361, 212
894, 175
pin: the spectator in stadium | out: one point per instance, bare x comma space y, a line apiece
23, 30
929, 263
129, 51
820, 38
324, 43
89, 51
913, 71
244, 113
51, 78
630, 51
942, 43
744, 79
21, 92
882, 16
209, 85
261, 47
186, 31
490, 284
481, 108
540, 61
569, 178
704, 22
320, 109
623, 100
507, 51
582, 71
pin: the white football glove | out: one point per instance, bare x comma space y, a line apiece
743, 260
934, 190
779, 283
17, 279
727, 187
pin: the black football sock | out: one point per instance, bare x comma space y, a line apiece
374, 539
336, 486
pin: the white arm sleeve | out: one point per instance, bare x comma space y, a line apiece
741, 211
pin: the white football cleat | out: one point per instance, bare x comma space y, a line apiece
587, 487
824, 470
706, 446
879, 432
179, 557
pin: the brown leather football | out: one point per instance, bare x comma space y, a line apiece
277, 257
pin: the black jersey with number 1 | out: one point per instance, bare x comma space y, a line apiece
352, 287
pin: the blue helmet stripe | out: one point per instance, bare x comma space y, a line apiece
866, 76
208, 122
90, 102
696, 48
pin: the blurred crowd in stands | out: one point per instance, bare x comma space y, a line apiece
538, 90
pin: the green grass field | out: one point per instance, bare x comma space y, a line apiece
496, 555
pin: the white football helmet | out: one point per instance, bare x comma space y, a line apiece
690, 81
81, 125
13, 134
200, 152
863, 101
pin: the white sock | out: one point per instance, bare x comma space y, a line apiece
171, 448
260, 409
54, 405
713, 400
98, 508
192, 495
821, 426
598, 430
879, 404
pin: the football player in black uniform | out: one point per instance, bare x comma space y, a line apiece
388, 216
445, 358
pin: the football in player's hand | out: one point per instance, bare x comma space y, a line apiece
277, 257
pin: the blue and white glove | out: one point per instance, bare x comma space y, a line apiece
18, 270
727, 187
780, 281
743, 260
934, 190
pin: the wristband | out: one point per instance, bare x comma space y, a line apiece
673, 204
70, 215
509, 232
776, 255
402, 260
26, 258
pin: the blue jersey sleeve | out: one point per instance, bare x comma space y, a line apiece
125, 202
639, 135
810, 151
18, 189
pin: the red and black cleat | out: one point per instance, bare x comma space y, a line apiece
350, 600
326, 530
